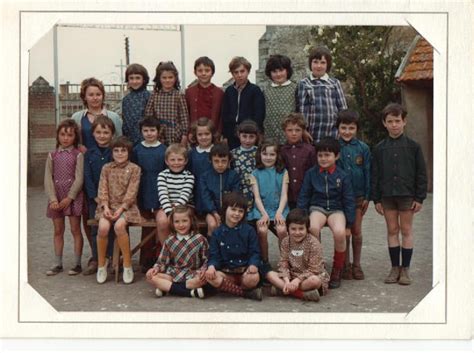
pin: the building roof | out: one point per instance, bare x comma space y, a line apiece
417, 65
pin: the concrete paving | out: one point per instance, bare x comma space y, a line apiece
82, 293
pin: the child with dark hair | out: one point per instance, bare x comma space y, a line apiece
355, 161
214, 184
234, 255
181, 266
168, 105
298, 155
270, 188
204, 99
149, 154
301, 271
242, 100
117, 206
94, 160
399, 185
328, 197
280, 96
134, 103
63, 178
320, 96
243, 157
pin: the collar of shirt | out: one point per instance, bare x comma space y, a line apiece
296, 145
237, 227
240, 88
103, 112
330, 170
324, 77
395, 138
167, 92
156, 144
248, 149
208, 88
353, 141
119, 165
201, 150
281, 85
183, 236
67, 149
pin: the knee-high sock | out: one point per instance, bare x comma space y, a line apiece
406, 257
394, 255
124, 246
338, 260
230, 287
356, 249
101, 249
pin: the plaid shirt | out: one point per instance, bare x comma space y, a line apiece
171, 110
182, 256
319, 100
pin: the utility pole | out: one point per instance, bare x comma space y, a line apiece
121, 76
127, 52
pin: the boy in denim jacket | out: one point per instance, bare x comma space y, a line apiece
327, 195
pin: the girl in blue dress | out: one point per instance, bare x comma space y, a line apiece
149, 154
269, 183
203, 135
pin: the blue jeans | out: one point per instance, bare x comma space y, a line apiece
110, 245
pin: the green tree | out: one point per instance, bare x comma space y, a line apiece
366, 58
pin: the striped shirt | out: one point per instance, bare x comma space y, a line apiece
182, 256
174, 188
171, 110
319, 100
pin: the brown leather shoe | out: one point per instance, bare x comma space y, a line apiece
347, 272
393, 276
335, 279
404, 279
357, 272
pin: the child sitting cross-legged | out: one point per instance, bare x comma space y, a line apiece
234, 255
327, 195
301, 271
181, 266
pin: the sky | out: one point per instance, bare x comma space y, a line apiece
87, 52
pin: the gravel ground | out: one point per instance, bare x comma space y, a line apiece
82, 293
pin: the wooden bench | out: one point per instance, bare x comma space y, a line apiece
148, 227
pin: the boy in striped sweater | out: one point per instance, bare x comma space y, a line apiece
175, 186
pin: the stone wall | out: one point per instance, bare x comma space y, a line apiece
41, 128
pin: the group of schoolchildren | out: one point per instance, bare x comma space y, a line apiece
202, 155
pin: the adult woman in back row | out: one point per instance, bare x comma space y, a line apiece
93, 95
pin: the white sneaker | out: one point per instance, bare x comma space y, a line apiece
127, 275
158, 292
101, 274
198, 293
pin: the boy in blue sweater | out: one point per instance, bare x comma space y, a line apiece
214, 184
95, 158
327, 195
242, 100
355, 161
234, 252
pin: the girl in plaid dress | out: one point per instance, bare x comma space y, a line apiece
63, 180
181, 266
168, 105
